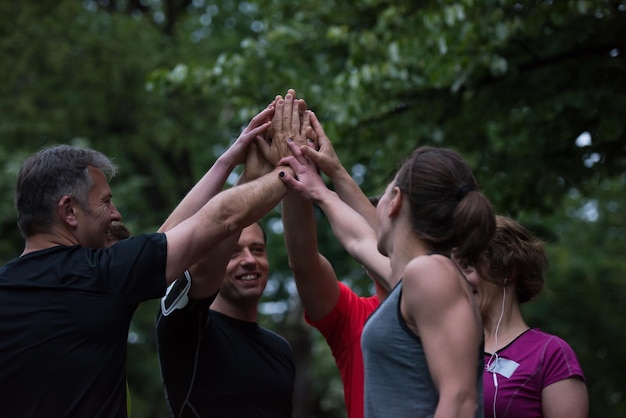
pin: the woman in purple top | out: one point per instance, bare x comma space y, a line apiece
528, 373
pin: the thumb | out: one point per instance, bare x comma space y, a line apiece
288, 179
311, 153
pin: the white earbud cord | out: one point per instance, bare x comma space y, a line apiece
494, 356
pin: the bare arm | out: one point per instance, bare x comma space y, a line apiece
351, 229
437, 305
224, 215
566, 398
345, 186
213, 181
208, 273
314, 276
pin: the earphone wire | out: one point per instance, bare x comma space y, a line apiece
494, 356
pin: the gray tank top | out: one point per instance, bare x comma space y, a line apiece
397, 380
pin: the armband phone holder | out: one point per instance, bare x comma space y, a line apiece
177, 295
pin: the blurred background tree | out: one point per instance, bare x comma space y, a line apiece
532, 93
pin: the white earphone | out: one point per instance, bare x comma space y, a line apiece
493, 360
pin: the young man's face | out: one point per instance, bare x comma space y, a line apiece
248, 268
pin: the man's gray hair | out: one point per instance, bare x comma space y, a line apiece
47, 176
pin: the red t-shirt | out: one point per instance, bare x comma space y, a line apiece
342, 328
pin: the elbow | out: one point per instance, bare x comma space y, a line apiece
462, 404
468, 404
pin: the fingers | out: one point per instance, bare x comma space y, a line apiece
247, 135
265, 148
260, 129
296, 150
287, 113
277, 121
301, 105
289, 181
312, 154
263, 116
317, 126
307, 131
295, 122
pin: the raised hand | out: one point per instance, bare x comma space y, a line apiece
306, 181
289, 123
256, 130
256, 165
325, 158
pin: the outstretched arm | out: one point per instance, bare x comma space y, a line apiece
224, 215
327, 160
213, 181
208, 272
350, 228
314, 276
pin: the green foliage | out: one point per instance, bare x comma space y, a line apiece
530, 92
585, 299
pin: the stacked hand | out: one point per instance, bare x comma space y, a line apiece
292, 127
291, 122
256, 129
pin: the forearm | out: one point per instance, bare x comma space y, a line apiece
224, 215
209, 272
459, 407
350, 192
314, 276
300, 231
357, 237
347, 224
207, 187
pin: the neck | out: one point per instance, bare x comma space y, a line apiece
507, 322
242, 311
47, 240
406, 247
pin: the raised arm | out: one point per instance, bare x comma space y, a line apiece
212, 222
224, 215
213, 181
351, 229
327, 160
314, 276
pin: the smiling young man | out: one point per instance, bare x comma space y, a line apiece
215, 359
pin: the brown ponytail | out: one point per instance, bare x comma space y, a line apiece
447, 211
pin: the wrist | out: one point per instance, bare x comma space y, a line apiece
284, 170
324, 196
225, 162
338, 173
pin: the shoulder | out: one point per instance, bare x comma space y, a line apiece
543, 338
555, 354
430, 275
547, 346
549, 342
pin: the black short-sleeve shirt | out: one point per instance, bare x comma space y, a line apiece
64, 319
220, 367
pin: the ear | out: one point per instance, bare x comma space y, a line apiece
66, 210
395, 203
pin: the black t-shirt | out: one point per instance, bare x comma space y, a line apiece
223, 367
64, 319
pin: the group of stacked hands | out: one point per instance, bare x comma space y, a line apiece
442, 337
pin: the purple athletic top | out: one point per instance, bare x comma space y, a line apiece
523, 368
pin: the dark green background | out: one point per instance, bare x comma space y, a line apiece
532, 93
